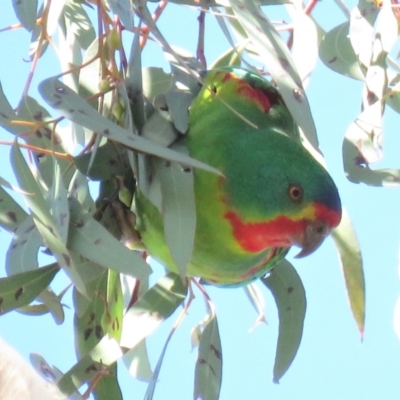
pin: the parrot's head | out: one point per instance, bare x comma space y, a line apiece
296, 203
276, 194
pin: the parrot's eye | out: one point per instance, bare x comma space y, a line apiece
296, 193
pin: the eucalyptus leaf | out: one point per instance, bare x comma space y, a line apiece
288, 291
59, 203
155, 82
124, 9
159, 129
44, 221
79, 190
208, 373
99, 317
41, 136
137, 362
77, 22
11, 213
230, 57
305, 42
91, 240
26, 11
53, 303
134, 84
75, 108
7, 114
89, 74
274, 51
53, 16
22, 254
357, 146
336, 52
106, 162
152, 308
349, 251
362, 18
21, 289
97, 361
179, 212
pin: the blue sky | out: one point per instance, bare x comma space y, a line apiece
332, 363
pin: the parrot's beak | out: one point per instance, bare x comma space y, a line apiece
311, 238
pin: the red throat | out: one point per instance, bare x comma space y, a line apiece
255, 237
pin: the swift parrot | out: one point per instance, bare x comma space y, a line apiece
273, 194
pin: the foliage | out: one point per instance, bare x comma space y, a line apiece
105, 118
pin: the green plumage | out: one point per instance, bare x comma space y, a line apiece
240, 125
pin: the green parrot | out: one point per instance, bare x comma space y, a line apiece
273, 194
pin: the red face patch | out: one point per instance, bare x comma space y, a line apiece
246, 90
255, 237
258, 236
256, 95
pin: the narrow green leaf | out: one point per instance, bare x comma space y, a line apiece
53, 304
152, 308
79, 190
159, 129
359, 147
276, 55
208, 373
124, 9
364, 136
179, 213
155, 82
134, 83
361, 30
78, 22
336, 52
26, 11
53, 16
137, 362
109, 160
41, 215
349, 251
112, 317
230, 57
184, 87
76, 109
97, 361
89, 75
305, 42
97, 318
288, 291
89, 311
158, 303
59, 203
21, 289
23, 251
28, 184
11, 213
7, 115
91, 240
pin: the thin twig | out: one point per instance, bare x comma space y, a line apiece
200, 43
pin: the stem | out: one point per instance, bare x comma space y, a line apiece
200, 44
